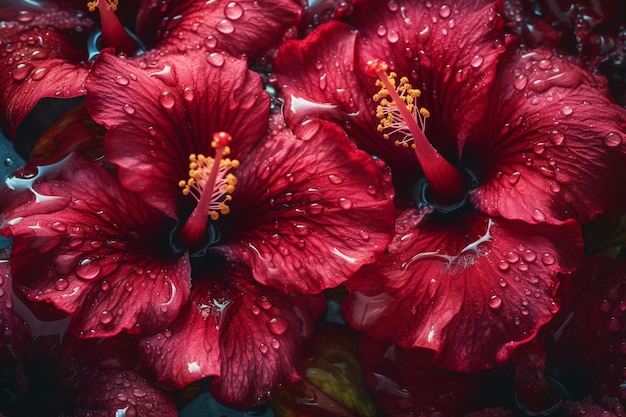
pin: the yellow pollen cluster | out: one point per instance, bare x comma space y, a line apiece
111, 5
391, 119
200, 167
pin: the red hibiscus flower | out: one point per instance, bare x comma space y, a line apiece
501, 152
218, 258
47, 45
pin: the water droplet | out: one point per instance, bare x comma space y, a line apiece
477, 61
225, 26
275, 343
495, 302
520, 82
167, 99
263, 348
613, 324
605, 306
233, 10
545, 64
121, 80
210, 42
104, 286
512, 257
392, 5
216, 59
539, 148
538, 216
129, 109
381, 30
188, 93
612, 139
334, 179
393, 36
25, 16
345, 203
255, 310
567, 110
548, 259
529, 255
21, 71
503, 265
278, 326
61, 284
39, 73
265, 303
300, 230
444, 11
59, 227
323, 81
88, 268
106, 317
364, 235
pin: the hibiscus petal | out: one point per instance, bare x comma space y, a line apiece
158, 116
247, 335
471, 290
316, 209
40, 62
101, 255
555, 148
449, 50
241, 28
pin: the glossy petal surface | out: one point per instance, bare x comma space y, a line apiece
158, 116
247, 335
316, 209
488, 282
93, 249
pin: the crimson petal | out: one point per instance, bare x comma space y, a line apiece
47, 62
248, 335
471, 290
100, 255
555, 148
242, 28
316, 209
158, 116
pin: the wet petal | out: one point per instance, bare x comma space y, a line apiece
40, 62
555, 150
101, 255
158, 116
311, 209
471, 290
247, 335
241, 28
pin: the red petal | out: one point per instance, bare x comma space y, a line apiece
449, 50
315, 209
470, 288
158, 116
241, 28
40, 61
247, 335
100, 255
555, 149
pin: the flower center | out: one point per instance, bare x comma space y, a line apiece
403, 120
212, 184
113, 32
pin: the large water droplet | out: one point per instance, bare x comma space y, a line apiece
345, 203
567, 110
233, 10
393, 5
503, 265
263, 348
495, 302
538, 215
612, 139
128, 109
381, 30
548, 259
520, 82
39, 73
323, 81
275, 343
210, 42
477, 61
88, 268
216, 59
514, 177
21, 71
225, 26
444, 11
106, 317
61, 284
278, 326
334, 179
300, 230
121, 80
188, 93
167, 99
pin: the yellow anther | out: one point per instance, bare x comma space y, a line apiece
391, 119
110, 4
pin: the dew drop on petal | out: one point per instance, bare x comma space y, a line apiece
39, 73
548, 259
334, 179
216, 59
225, 26
188, 93
255, 310
514, 177
88, 268
495, 302
21, 71
364, 235
393, 5
538, 215
61, 284
477, 61
121, 80
167, 99
128, 109
106, 317
613, 324
210, 42
557, 137
520, 82
567, 110
315, 208
444, 11
278, 326
265, 303
393, 36
275, 343
503, 265
345, 203
300, 230
381, 30
105, 286
612, 139
323, 82
263, 348
233, 10
512, 257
